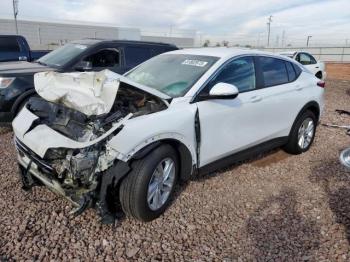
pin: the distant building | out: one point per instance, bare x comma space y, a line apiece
49, 35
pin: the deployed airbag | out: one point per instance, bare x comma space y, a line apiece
92, 93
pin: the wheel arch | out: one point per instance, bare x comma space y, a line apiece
27, 94
183, 152
313, 106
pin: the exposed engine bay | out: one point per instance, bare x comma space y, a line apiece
79, 172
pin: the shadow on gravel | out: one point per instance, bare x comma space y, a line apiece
335, 181
280, 233
258, 160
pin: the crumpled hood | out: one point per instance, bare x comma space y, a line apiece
92, 93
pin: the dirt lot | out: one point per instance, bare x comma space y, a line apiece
338, 71
273, 207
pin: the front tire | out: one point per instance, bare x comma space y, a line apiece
302, 134
145, 193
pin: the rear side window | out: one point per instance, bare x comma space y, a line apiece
291, 73
274, 71
136, 55
297, 69
104, 58
9, 44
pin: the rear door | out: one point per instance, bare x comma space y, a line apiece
282, 95
106, 57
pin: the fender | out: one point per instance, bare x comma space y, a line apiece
187, 165
136, 152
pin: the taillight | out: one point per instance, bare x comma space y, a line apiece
321, 84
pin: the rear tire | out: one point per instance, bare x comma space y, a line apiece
302, 134
137, 188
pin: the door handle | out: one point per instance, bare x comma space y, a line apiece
255, 99
316, 67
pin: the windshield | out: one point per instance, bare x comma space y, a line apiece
62, 55
172, 74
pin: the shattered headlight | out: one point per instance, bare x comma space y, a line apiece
55, 153
6, 81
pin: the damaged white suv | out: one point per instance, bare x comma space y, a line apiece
102, 139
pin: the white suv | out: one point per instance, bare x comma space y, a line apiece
102, 138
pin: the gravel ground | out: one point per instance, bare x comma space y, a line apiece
273, 207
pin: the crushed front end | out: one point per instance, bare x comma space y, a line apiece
67, 149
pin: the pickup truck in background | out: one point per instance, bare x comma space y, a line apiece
17, 78
16, 48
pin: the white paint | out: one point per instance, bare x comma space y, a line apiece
227, 125
313, 68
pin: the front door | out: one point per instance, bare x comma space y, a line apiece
230, 125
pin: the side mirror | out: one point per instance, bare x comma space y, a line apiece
223, 91
83, 66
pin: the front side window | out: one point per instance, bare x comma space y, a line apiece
240, 72
172, 74
274, 71
104, 58
291, 72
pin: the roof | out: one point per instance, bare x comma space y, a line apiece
220, 52
288, 53
92, 41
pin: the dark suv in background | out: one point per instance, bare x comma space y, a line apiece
17, 78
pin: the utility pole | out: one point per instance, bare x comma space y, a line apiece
15, 13
269, 20
258, 43
308, 40
283, 38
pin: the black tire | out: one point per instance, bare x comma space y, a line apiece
133, 189
22, 104
292, 146
319, 75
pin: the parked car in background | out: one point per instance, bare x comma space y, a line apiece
16, 48
16, 78
318, 68
130, 139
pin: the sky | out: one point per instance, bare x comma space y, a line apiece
214, 19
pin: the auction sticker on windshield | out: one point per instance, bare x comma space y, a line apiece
195, 63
